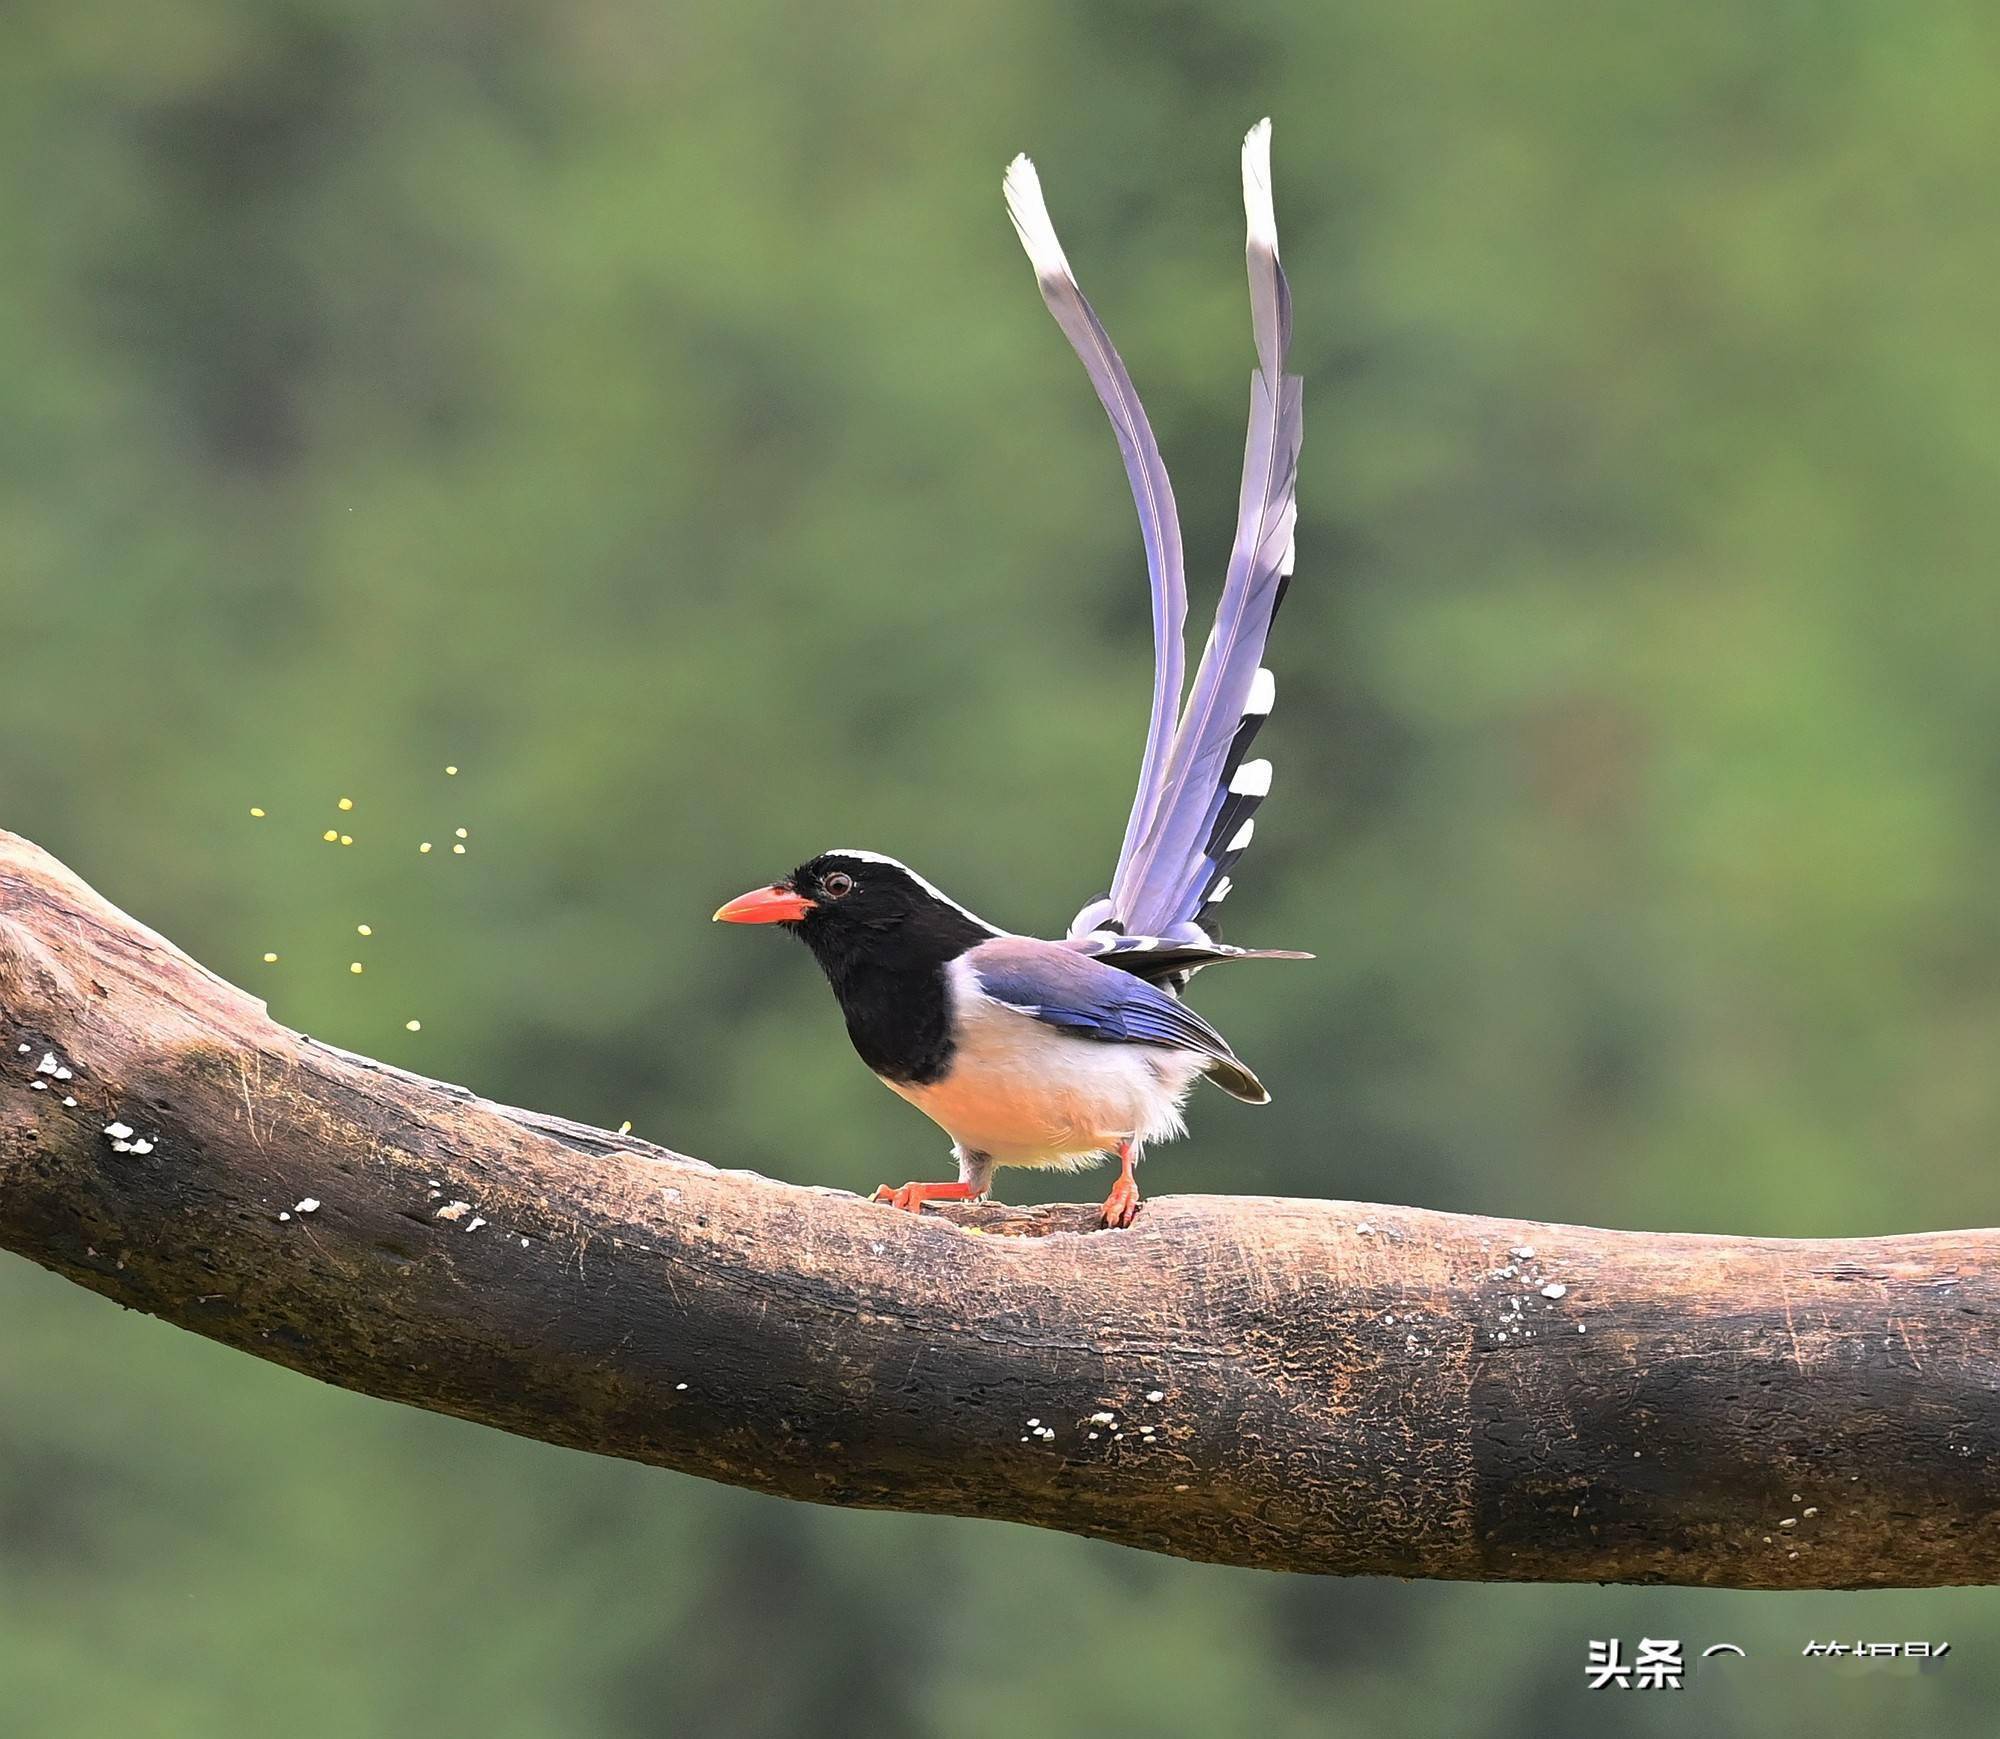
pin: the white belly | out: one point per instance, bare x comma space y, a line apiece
1026, 1093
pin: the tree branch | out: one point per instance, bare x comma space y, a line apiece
1294, 1384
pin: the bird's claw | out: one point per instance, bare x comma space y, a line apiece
1121, 1207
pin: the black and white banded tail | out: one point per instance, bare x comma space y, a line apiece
1194, 813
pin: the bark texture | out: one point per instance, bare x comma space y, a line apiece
1301, 1385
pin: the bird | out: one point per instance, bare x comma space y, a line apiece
1058, 1053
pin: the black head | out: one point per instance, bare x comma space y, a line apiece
851, 906
883, 936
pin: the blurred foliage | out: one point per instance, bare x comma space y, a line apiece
646, 409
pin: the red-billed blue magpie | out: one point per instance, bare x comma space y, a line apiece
1039, 1053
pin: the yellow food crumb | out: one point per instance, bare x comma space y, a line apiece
347, 839
347, 803
270, 959
451, 769
459, 849
413, 1026
425, 846
460, 832
363, 930
258, 813
625, 1128
354, 966
330, 835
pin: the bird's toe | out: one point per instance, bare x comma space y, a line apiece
1121, 1207
912, 1196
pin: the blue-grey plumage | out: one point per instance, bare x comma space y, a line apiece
1145, 470
1066, 989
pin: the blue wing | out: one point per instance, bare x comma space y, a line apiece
1058, 986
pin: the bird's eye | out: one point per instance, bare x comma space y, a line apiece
838, 885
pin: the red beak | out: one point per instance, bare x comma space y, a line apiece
772, 905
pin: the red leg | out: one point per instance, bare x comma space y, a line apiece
912, 1196
1121, 1207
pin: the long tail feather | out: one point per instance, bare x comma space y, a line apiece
1270, 295
1152, 493
1200, 817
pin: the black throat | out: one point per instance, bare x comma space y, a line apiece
890, 981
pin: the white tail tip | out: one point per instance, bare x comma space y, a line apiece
1258, 209
1253, 779
1030, 213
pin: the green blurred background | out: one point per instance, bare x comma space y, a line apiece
646, 409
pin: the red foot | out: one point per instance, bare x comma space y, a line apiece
1121, 1207
912, 1196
